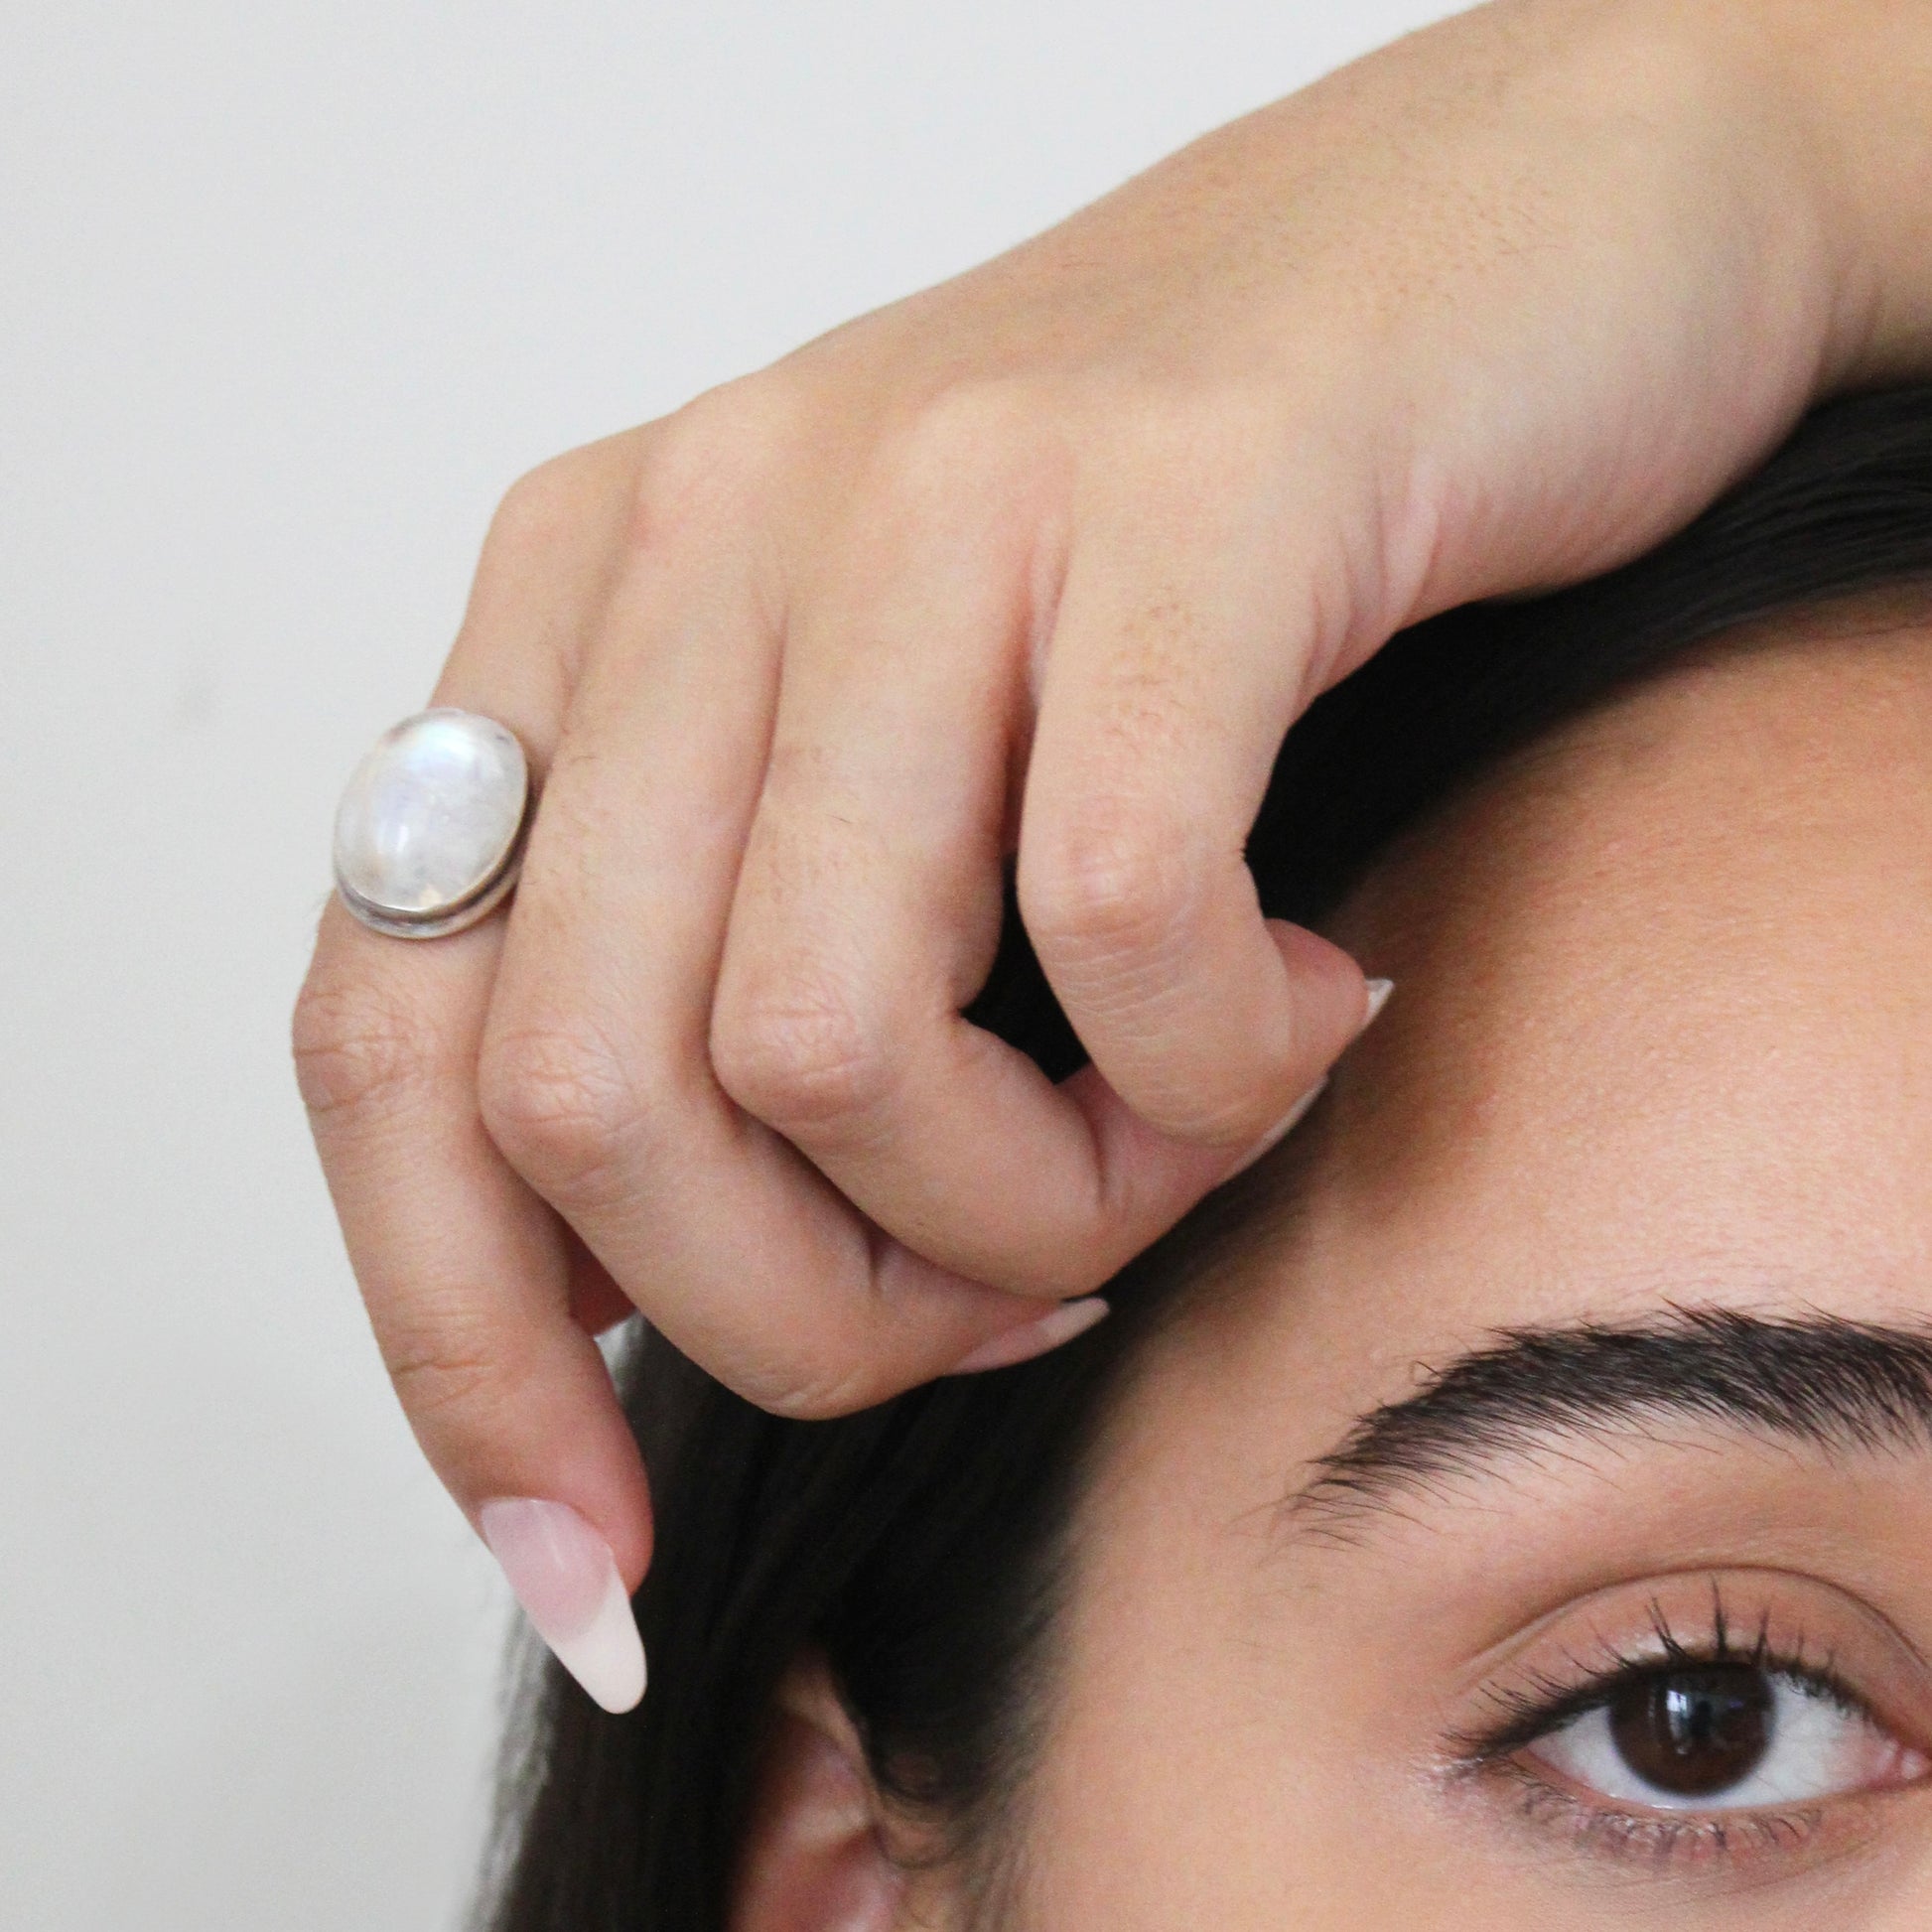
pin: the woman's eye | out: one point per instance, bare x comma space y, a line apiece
1724, 1736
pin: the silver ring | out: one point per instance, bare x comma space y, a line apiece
431, 829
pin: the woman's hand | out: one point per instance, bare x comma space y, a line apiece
1043, 561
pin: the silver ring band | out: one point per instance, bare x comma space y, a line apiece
432, 825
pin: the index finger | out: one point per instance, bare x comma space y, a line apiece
1179, 660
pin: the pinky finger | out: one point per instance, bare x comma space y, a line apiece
473, 1292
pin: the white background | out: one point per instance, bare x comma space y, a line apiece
288, 294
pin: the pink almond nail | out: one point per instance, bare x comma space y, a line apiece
567, 1581
1031, 1338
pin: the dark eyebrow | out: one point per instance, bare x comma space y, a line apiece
1814, 1379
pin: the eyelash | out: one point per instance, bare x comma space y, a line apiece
1539, 1705
1663, 1838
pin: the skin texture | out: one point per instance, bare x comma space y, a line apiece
1039, 566
1661, 1042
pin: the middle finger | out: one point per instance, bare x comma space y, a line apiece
868, 911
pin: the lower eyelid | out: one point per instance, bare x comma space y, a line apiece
1721, 1848
1670, 1842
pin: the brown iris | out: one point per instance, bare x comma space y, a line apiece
1695, 1731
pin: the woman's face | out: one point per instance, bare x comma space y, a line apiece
1630, 1622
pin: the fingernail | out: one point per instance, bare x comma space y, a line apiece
567, 1581
1378, 998
1032, 1338
1282, 1128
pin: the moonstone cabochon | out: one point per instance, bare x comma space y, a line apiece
431, 819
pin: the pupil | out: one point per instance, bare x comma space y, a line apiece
1693, 1732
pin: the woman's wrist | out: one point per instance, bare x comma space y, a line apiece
1850, 81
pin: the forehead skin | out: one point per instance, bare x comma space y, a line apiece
1666, 985
1662, 1034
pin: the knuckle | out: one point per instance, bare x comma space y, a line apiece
1106, 884
1188, 1113
815, 1391
558, 1101
817, 1398
981, 431
711, 458
436, 1382
356, 1050
798, 1055
546, 504
447, 1366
